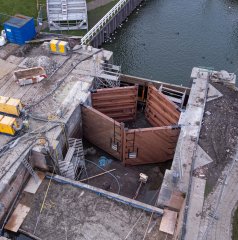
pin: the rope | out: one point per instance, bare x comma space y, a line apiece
148, 225
43, 203
119, 187
46, 193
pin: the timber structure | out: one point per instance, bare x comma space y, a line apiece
73, 128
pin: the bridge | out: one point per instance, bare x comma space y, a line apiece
102, 30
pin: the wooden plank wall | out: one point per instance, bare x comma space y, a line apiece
153, 145
99, 129
160, 111
119, 103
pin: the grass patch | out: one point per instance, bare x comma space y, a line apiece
23, 7
80, 32
235, 226
29, 8
208, 189
96, 14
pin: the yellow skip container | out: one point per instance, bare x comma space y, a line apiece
8, 125
10, 106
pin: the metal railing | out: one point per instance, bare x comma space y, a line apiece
94, 31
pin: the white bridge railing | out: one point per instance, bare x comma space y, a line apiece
93, 32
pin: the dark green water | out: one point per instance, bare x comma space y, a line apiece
166, 38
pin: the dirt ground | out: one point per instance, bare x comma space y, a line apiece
219, 133
127, 176
73, 213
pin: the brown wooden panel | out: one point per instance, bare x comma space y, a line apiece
152, 145
119, 103
101, 130
160, 111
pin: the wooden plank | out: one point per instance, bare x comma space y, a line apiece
93, 111
157, 117
17, 218
152, 148
162, 97
117, 89
118, 103
116, 108
168, 222
145, 82
99, 130
32, 186
170, 109
153, 121
124, 119
176, 202
160, 110
115, 96
163, 111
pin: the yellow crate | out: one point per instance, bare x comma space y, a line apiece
7, 125
59, 47
53, 46
63, 47
10, 106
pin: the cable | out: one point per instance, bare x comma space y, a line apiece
58, 84
46, 193
14, 202
129, 233
119, 187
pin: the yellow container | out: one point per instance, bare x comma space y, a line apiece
63, 47
59, 47
53, 46
7, 125
10, 106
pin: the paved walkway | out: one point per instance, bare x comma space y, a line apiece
221, 204
98, 3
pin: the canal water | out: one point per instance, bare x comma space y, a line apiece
164, 39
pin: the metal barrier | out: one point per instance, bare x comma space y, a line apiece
98, 27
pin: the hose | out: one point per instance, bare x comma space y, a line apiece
119, 187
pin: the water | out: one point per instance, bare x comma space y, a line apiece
166, 38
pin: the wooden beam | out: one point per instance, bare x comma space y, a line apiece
100, 174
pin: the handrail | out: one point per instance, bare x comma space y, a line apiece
101, 23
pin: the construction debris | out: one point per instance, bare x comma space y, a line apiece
45, 62
30, 76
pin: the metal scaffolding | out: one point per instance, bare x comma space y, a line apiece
106, 75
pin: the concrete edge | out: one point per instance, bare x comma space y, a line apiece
113, 196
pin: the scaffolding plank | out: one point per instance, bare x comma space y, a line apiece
32, 186
168, 222
17, 218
